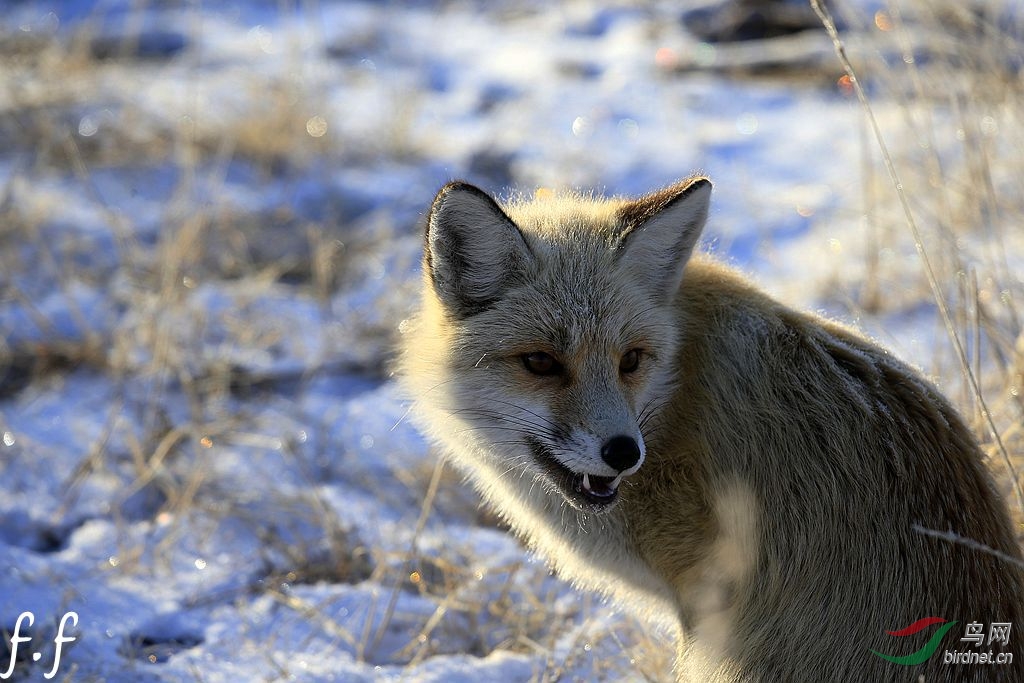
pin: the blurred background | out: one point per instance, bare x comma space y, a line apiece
210, 238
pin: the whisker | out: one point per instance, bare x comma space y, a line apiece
486, 412
525, 426
502, 417
546, 420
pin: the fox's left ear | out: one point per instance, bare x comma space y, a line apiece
660, 231
474, 251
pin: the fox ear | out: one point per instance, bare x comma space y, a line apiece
473, 249
660, 231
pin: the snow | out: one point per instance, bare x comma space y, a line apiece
225, 199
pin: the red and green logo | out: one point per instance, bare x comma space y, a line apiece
929, 648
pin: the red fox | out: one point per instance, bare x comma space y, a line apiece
760, 480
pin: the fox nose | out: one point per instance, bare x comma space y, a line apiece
621, 453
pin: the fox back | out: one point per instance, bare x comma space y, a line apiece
773, 487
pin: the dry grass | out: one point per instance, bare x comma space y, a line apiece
942, 145
175, 409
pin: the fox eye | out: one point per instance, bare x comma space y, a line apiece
630, 361
540, 363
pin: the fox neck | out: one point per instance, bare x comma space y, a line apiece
597, 552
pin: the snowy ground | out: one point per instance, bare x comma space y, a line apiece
209, 240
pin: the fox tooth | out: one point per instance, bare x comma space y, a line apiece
586, 482
615, 483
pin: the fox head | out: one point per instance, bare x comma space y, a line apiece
548, 336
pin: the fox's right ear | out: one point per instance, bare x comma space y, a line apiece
661, 231
473, 250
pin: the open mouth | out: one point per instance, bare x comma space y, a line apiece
596, 489
584, 491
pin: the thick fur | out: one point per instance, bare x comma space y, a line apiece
788, 461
